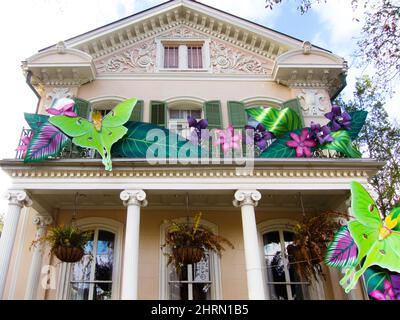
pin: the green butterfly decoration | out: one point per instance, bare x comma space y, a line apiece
377, 241
101, 133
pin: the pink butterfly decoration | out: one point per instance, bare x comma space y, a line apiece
66, 110
228, 139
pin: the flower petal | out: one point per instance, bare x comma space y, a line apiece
202, 124
299, 152
262, 144
304, 135
70, 114
53, 111
307, 152
191, 121
335, 126
310, 143
295, 137
376, 294
292, 144
260, 127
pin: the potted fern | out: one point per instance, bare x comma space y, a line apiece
67, 242
190, 241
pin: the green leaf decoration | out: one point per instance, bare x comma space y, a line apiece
35, 120
276, 121
279, 149
357, 122
375, 277
100, 135
342, 143
146, 140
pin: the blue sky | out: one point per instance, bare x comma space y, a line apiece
41, 23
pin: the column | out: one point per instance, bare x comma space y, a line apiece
133, 200
41, 222
17, 199
247, 200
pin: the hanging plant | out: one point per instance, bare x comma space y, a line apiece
190, 241
311, 238
67, 242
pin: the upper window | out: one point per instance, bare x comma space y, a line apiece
283, 283
178, 122
183, 56
171, 57
92, 277
195, 57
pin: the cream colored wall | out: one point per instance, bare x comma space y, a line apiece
233, 275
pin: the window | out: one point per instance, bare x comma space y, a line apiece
192, 282
283, 283
178, 123
171, 54
195, 57
92, 277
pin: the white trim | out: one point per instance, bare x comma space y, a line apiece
102, 98
260, 100
186, 76
316, 289
107, 225
337, 60
75, 52
215, 266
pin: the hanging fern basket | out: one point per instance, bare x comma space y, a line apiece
68, 254
187, 255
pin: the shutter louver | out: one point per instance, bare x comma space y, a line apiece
82, 108
237, 114
295, 105
159, 113
137, 113
212, 112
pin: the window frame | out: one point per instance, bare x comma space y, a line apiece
316, 289
215, 265
90, 224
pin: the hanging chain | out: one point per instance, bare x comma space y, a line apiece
73, 219
302, 205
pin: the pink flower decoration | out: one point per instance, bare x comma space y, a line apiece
228, 139
24, 146
66, 110
301, 143
388, 293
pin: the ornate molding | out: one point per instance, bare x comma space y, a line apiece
311, 102
182, 32
133, 197
58, 93
18, 197
226, 59
139, 58
246, 197
42, 221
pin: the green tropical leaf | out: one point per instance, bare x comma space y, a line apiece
145, 140
35, 120
342, 143
279, 149
276, 121
375, 277
357, 122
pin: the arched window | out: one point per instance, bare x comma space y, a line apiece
200, 281
97, 275
282, 280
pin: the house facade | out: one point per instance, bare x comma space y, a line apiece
181, 58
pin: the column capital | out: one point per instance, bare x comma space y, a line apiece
134, 197
42, 220
246, 197
18, 197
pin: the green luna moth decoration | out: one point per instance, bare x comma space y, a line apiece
101, 133
366, 241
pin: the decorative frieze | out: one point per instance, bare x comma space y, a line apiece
58, 93
311, 102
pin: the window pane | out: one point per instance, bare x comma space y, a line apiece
105, 255
195, 58
195, 113
174, 114
81, 270
102, 291
79, 291
171, 57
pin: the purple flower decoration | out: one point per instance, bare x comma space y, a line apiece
66, 110
322, 134
387, 294
338, 119
301, 143
198, 126
261, 135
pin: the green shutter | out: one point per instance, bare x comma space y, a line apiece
212, 112
295, 105
82, 108
237, 114
159, 113
137, 113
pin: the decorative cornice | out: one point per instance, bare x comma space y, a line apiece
18, 197
134, 197
42, 221
246, 197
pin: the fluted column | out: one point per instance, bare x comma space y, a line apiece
17, 199
133, 200
41, 222
247, 200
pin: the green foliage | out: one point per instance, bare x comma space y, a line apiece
185, 234
276, 121
279, 149
66, 236
342, 143
358, 119
375, 277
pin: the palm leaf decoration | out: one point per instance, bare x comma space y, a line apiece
47, 141
276, 121
342, 143
342, 251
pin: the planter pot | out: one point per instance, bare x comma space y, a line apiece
188, 255
68, 254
